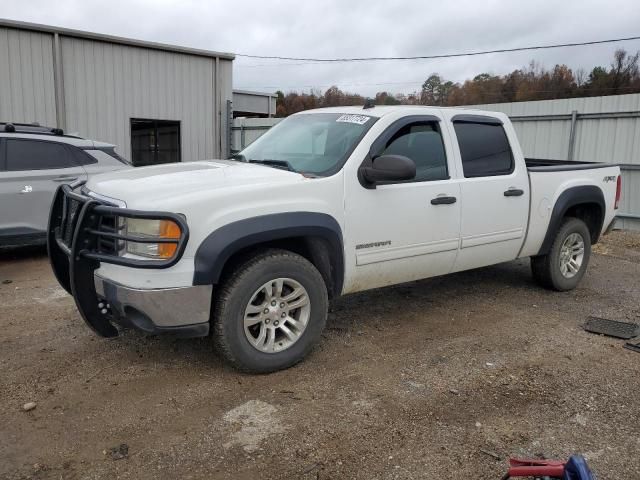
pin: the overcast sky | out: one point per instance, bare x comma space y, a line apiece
356, 28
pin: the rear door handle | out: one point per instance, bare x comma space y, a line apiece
514, 192
65, 179
443, 200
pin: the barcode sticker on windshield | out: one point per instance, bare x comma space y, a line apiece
359, 119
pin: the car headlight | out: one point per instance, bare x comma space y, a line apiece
166, 231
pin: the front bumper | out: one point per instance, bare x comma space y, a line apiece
181, 311
81, 234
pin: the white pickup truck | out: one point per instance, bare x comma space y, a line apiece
328, 202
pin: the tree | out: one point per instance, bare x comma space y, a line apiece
384, 98
624, 70
532, 82
431, 90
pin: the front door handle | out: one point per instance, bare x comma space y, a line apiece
443, 200
65, 179
514, 192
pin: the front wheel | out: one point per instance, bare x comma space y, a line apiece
270, 312
566, 263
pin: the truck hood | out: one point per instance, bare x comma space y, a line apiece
150, 187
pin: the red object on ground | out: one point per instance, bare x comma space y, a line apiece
533, 467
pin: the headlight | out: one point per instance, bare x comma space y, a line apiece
152, 229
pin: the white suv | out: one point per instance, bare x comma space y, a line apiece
34, 160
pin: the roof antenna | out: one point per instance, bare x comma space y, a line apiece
369, 103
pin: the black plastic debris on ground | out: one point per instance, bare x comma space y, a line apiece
119, 452
634, 347
612, 328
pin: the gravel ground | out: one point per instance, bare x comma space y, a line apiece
441, 378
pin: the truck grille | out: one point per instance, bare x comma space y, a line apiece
108, 245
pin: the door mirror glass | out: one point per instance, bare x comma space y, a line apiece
389, 168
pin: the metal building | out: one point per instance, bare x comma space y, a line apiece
254, 104
158, 103
592, 129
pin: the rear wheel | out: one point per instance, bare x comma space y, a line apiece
566, 263
270, 312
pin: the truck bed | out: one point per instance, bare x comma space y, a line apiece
548, 165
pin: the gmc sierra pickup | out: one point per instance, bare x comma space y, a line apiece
328, 202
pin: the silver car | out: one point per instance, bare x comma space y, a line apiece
34, 160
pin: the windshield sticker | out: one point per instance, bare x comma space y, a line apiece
358, 119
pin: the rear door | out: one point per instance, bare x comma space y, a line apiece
33, 170
494, 191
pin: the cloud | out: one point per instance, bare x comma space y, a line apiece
334, 28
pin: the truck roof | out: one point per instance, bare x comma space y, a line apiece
382, 110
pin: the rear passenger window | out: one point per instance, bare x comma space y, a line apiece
422, 143
36, 155
484, 148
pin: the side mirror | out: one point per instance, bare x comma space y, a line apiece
389, 168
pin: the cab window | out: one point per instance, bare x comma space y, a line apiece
484, 148
422, 143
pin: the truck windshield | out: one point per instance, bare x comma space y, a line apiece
315, 143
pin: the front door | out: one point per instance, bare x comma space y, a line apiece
410, 230
33, 171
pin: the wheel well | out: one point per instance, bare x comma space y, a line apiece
315, 249
591, 214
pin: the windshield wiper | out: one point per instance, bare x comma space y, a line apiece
283, 164
239, 157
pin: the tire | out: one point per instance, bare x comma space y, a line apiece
548, 269
246, 296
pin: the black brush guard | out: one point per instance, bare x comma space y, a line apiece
83, 232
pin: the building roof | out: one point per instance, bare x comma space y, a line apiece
67, 32
257, 94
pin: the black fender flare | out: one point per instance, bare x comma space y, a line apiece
570, 198
216, 249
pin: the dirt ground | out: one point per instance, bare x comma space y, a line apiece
443, 378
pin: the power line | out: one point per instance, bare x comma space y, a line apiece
633, 89
417, 82
431, 57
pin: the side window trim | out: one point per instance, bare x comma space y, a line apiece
379, 144
69, 154
482, 120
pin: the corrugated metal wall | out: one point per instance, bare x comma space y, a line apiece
254, 103
26, 77
225, 92
103, 84
544, 130
612, 140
